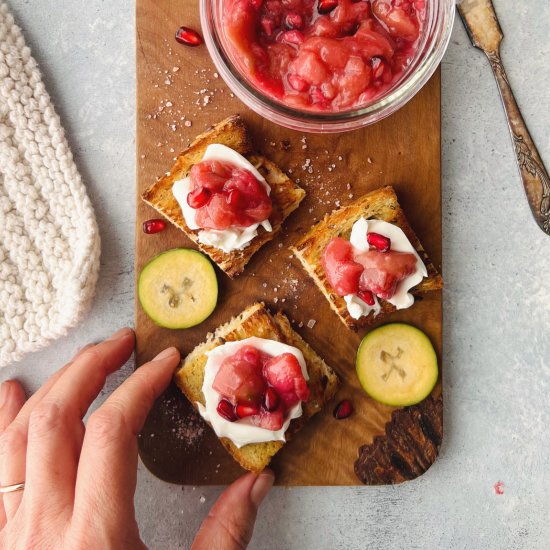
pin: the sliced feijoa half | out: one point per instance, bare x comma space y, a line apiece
178, 288
397, 365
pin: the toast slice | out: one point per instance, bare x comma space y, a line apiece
257, 321
381, 204
232, 132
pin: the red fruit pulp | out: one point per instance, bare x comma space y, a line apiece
342, 272
383, 271
225, 196
284, 374
259, 387
323, 55
368, 273
239, 378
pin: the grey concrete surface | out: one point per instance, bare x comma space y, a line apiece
497, 297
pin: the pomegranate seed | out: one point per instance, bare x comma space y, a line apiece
153, 226
367, 296
246, 410
226, 410
326, 6
379, 242
198, 198
271, 400
343, 409
188, 37
294, 21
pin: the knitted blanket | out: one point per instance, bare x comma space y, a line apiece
49, 240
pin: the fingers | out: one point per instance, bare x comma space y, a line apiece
106, 478
12, 398
230, 523
13, 443
56, 430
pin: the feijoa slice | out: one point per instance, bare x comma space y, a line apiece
178, 289
397, 365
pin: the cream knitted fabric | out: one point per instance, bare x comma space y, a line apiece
49, 241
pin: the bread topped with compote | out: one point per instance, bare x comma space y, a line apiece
256, 415
367, 260
226, 198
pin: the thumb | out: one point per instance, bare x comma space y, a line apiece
230, 523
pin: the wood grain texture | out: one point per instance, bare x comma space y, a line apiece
403, 151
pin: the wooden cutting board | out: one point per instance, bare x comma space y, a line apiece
179, 95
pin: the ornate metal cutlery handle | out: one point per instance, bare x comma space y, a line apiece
533, 173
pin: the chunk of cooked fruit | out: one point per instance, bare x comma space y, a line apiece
284, 374
239, 378
225, 196
342, 272
324, 55
383, 271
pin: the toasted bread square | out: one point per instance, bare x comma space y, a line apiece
381, 204
232, 132
257, 321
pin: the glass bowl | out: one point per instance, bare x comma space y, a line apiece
433, 42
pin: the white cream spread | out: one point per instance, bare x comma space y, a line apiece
234, 238
243, 432
402, 299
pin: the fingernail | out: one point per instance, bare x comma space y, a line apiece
166, 353
5, 390
261, 487
119, 334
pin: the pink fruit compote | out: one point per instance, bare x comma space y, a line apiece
323, 55
376, 272
225, 196
259, 387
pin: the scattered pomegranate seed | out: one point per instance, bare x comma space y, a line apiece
343, 409
188, 37
294, 21
154, 226
271, 400
367, 296
379, 242
326, 6
226, 410
198, 198
246, 410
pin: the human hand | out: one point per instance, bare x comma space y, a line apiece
80, 480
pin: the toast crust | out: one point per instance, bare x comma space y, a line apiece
258, 321
232, 132
381, 204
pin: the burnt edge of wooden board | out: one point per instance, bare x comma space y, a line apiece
409, 447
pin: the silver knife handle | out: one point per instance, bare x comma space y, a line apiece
533, 173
